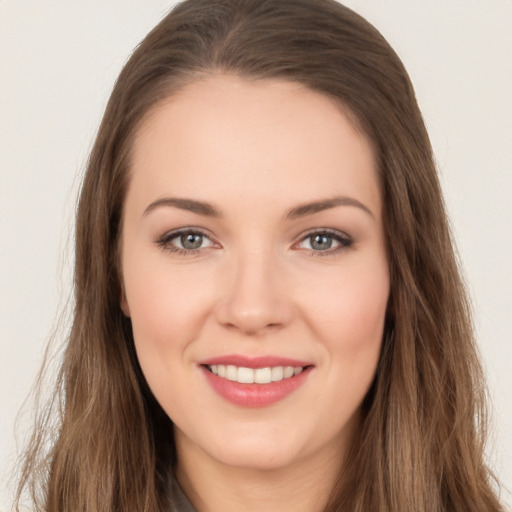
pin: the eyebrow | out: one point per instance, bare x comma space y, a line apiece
191, 205
325, 204
302, 210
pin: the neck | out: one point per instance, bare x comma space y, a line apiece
211, 486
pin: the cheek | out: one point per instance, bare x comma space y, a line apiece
165, 304
166, 308
348, 314
353, 298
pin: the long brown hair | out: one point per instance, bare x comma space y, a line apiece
421, 445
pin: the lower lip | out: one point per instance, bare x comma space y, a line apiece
255, 395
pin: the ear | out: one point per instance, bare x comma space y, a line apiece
125, 308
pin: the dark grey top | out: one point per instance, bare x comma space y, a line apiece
181, 503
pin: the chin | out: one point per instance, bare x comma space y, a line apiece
258, 456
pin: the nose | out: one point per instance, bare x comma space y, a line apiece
255, 299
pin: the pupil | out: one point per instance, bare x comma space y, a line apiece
321, 242
191, 241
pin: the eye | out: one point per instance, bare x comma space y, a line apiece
185, 241
191, 241
325, 242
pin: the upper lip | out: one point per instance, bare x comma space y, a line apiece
254, 362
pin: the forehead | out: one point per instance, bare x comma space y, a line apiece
273, 139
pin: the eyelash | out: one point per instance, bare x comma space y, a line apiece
343, 239
164, 242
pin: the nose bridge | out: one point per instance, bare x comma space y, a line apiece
255, 298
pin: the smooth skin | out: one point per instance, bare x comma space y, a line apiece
253, 271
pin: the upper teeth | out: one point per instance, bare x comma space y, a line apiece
257, 375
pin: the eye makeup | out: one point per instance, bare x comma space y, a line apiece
191, 241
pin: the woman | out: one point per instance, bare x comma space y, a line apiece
268, 310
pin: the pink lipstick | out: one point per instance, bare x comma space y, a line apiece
255, 381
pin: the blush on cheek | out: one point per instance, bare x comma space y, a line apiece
358, 320
366, 309
159, 309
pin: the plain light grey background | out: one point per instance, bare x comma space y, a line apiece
58, 62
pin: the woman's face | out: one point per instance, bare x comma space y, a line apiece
253, 249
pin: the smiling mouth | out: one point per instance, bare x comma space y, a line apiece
245, 375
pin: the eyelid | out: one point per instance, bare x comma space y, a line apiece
344, 241
164, 241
